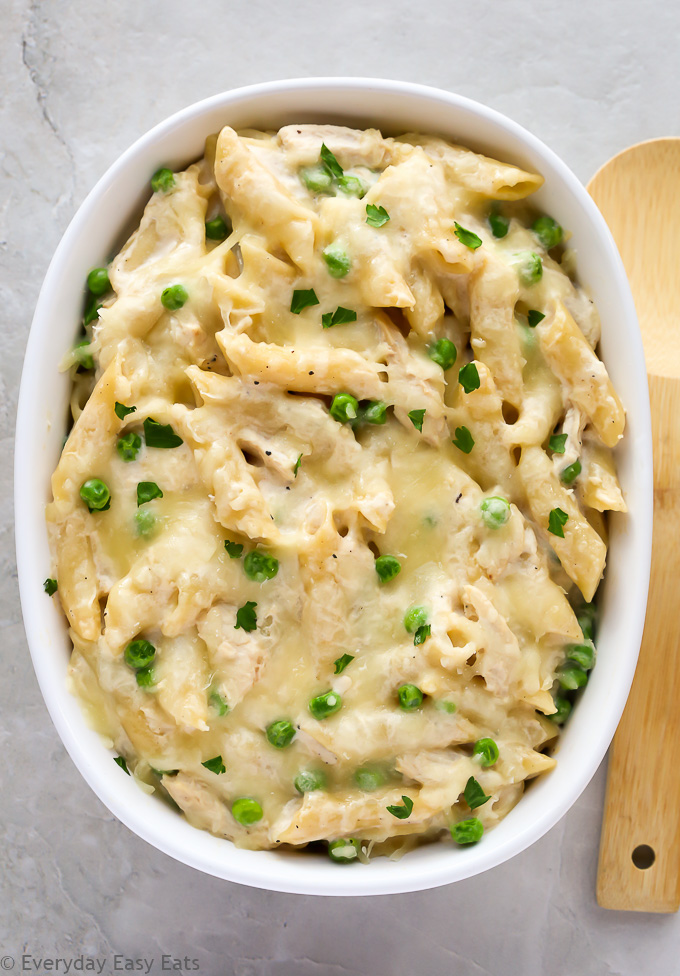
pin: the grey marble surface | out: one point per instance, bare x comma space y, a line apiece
80, 81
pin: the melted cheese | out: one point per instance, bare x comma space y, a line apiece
247, 384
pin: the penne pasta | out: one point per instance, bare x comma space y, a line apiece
335, 491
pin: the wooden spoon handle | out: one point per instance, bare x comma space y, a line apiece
639, 867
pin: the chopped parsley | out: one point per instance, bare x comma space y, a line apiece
416, 417
342, 662
376, 216
122, 411
474, 794
147, 491
330, 162
402, 810
556, 522
421, 634
463, 440
468, 377
160, 435
235, 549
50, 586
467, 237
246, 618
571, 473
303, 298
215, 765
341, 316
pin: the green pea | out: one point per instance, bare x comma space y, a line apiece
557, 443
387, 567
324, 705
571, 676
368, 778
571, 473
529, 267
174, 297
410, 697
485, 751
145, 523
82, 354
563, 706
337, 260
467, 831
280, 733
499, 224
95, 494
586, 620
129, 446
246, 811
317, 179
260, 566
374, 413
344, 408
146, 677
583, 654
443, 705
414, 618
162, 180
218, 703
98, 281
217, 229
139, 653
309, 780
344, 851
443, 352
495, 511
548, 231
352, 186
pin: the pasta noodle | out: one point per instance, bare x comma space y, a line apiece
329, 518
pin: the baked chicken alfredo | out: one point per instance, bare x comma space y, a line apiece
329, 522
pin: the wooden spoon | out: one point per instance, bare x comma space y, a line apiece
638, 193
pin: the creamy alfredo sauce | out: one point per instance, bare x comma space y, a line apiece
335, 261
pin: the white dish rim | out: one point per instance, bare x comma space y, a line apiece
606, 694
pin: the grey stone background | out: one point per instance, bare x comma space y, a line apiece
80, 80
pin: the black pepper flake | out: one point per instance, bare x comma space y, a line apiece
268, 453
334, 556
459, 497
257, 382
311, 372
